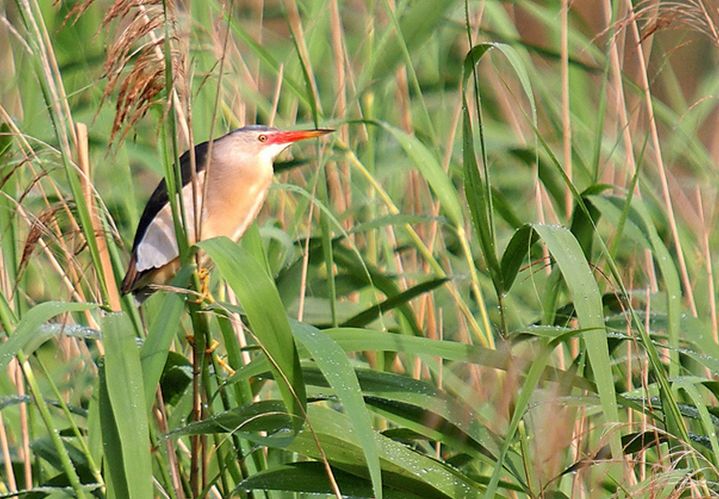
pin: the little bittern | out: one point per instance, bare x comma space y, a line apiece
238, 176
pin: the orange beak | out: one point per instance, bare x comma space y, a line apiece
295, 135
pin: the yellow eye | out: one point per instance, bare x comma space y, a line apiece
262, 138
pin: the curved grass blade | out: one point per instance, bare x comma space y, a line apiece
372, 313
402, 396
669, 275
269, 416
673, 421
338, 371
478, 190
479, 200
402, 468
708, 426
587, 300
311, 478
267, 317
366, 340
29, 334
515, 254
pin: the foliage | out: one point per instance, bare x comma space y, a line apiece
494, 279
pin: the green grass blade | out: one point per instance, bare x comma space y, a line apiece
29, 335
267, 317
161, 332
708, 426
338, 371
372, 313
125, 392
114, 472
587, 300
401, 395
311, 478
267, 416
361, 340
670, 276
402, 468
480, 206
515, 254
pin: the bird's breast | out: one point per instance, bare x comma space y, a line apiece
234, 198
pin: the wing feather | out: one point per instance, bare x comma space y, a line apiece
164, 242
159, 245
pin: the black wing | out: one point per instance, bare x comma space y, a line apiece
159, 197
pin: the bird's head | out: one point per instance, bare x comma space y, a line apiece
263, 144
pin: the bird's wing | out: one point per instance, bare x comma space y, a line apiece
159, 244
155, 244
158, 199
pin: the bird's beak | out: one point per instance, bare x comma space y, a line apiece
295, 135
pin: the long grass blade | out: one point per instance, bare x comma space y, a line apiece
266, 315
123, 405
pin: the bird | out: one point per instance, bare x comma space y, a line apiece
238, 176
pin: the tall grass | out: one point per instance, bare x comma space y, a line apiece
494, 279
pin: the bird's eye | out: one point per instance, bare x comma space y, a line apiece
262, 138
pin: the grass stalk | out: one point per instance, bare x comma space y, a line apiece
54, 434
566, 110
661, 168
53, 92
83, 160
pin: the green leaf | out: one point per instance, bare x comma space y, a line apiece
29, 334
584, 227
176, 377
646, 234
365, 340
427, 423
125, 415
372, 313
154, 351
338, 371
402, 468
587, 300
269, 416
478, 190
115, 477
44, 448
708, 426
421, 406
6, 139
515, 254
267, 317
311, 478
479, 200
514, 59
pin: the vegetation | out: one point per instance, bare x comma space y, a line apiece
494, 279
